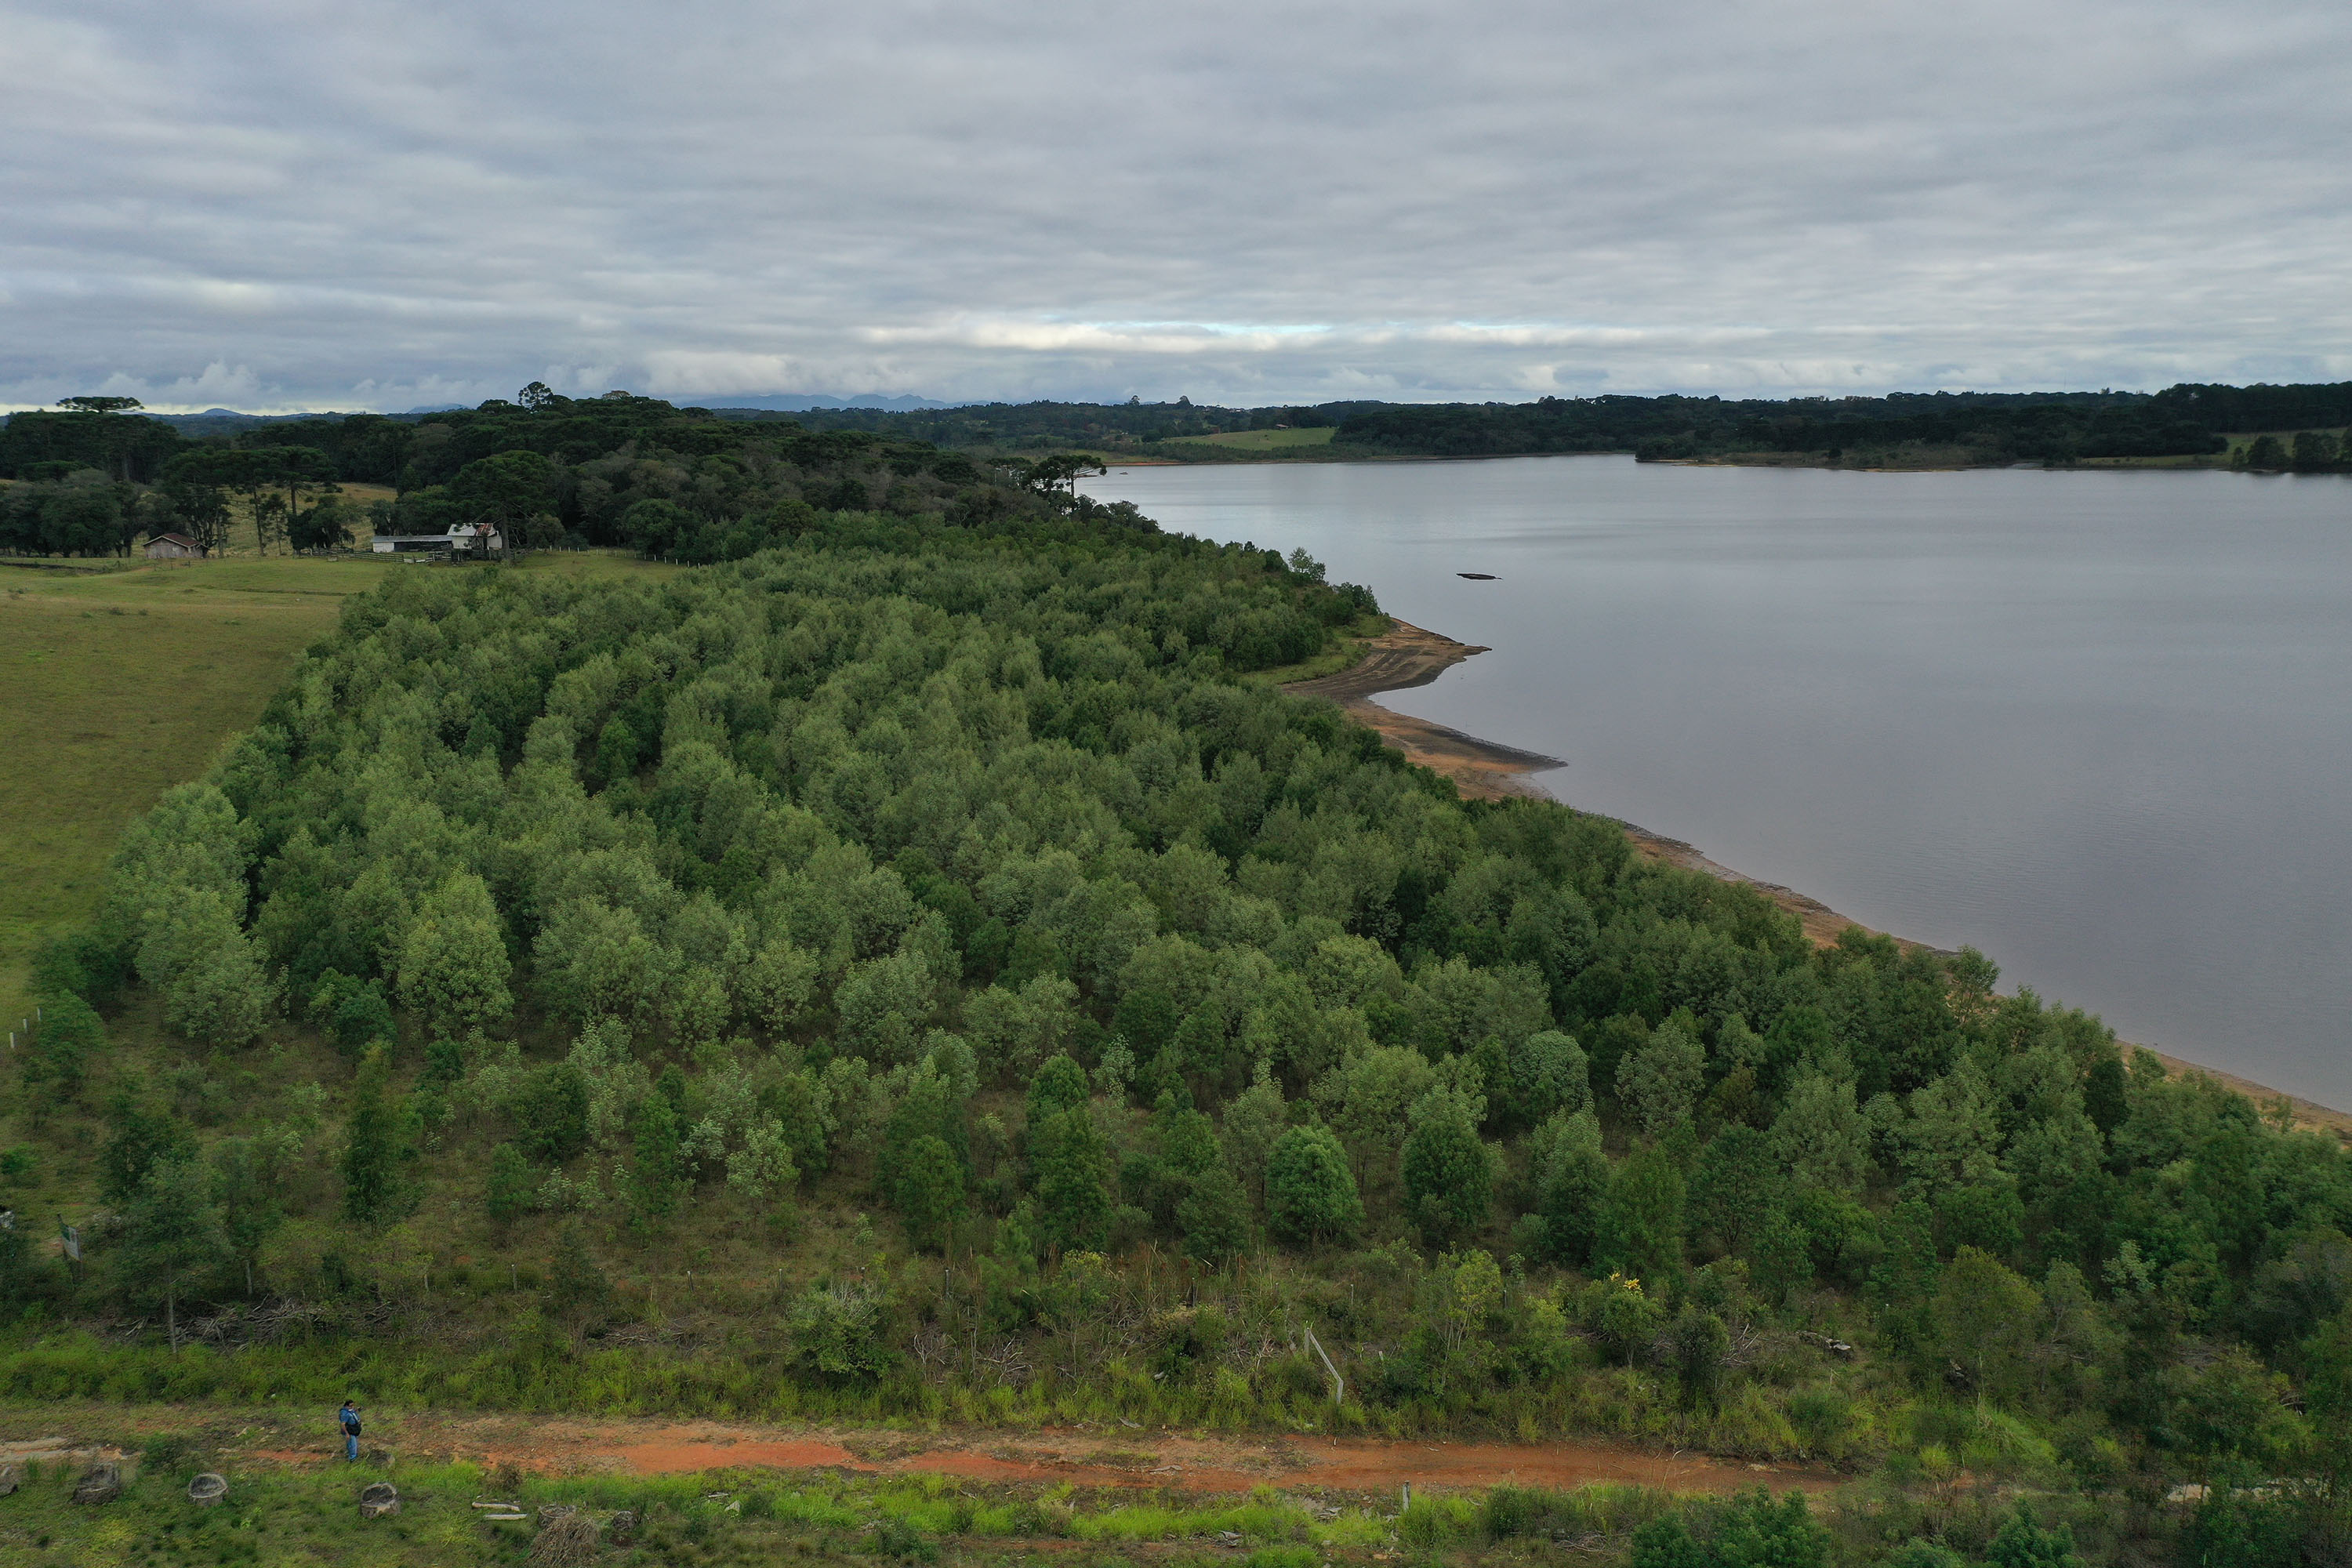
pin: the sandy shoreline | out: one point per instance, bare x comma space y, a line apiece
1407, 656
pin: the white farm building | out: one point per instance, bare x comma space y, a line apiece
458, 538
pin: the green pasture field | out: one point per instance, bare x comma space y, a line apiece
1260, 440
2241, 440
125, 681
2238, 441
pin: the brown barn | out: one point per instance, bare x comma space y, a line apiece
173, 547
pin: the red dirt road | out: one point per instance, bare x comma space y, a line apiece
1116, 1458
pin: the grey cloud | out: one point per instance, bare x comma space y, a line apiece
299, 204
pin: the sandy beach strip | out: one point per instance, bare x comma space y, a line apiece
1406, 655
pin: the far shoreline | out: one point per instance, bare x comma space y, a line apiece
2199, 464
1406, 655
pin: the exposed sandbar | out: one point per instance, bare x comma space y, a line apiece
1404, 657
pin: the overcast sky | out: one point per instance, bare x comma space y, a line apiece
307, 204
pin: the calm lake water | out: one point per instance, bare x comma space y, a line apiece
2098, 724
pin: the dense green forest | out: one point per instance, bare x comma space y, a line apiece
553, 470
1131, 427
921, 925
561, 473
1976, 427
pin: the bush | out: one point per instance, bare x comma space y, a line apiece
1311, 1192
81, 964
930, 1188
575, 1284
353, 1011
1282, 1557
166, 1453
1512, 1511
1624, 1319
2023, 1544
511, 1185
2233, 1528
904, 1540
835, 1335
549, 1112
1751, 1531
71, 1034
1822, 1416
1448, 1177
1700, 1346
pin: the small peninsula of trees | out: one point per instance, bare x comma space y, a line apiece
923, 924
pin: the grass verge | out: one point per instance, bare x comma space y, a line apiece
1260, 440
276, 1512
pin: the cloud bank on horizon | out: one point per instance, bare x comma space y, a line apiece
280, 204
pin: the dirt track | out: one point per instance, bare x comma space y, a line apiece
1112, 1457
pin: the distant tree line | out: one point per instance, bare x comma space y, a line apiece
548, 470
2046, 426
289, 492
1980, 426
551, 470
1033, 425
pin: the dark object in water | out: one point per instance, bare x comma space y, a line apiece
1476, 576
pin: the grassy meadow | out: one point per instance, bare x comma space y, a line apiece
2238, 441
1260, 440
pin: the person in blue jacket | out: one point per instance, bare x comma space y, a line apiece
348, 1418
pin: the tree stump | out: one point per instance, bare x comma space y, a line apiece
11, 1477
103, 1484
379, 1500
207, 1490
